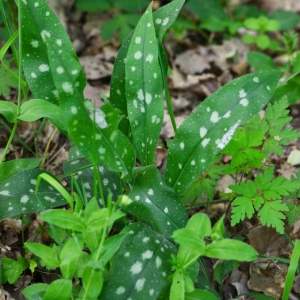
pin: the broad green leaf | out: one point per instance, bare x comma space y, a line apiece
206, 9
37, 108
69, 256
17, 195
230, 249
35, 291
260, 61
59, 289
200, 224
122, 23
286, 19
144, 89
46, 253
165, 16
99, 141
155, 203
177, 288
64, 218
189, 239
131, 5
92, 281
200, 294
92, 6
9, 168
211, 125
110, 247
140, 268
99, 218
12, 269
43, 24
9, 111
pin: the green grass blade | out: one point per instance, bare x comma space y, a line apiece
291, 271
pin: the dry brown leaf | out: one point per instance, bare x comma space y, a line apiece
267, 276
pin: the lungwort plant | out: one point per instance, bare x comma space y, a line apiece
107, 184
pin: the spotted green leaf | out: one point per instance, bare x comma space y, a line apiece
9, 168
17, 195
155, 203
38, 23
211, 125
37, 108
85, 176
166, 16
94, 131
140, 268
8, 110
144, 88
117, 85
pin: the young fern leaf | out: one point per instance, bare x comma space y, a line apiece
144, 89
277, 117
263, 195
211, 125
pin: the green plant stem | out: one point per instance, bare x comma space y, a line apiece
2, 122
97, 257
283, 260
9, 142
288, 238
167, 93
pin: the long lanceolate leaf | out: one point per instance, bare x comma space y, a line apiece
101, 135
211, 125
39, 23
163, 19
144, 88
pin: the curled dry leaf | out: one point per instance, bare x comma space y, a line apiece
267, 276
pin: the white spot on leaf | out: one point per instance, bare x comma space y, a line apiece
24, 199
149, 58
203, 132
221, 143
139, 285
242, 93
138, 55
44, 68
244, 102
67, 87
136, 268
215, 117
205, 142
34, 44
